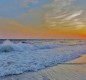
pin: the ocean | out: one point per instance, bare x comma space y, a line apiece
21, 55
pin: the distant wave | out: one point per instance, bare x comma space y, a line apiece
16, 58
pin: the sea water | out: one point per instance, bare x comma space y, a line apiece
18, 56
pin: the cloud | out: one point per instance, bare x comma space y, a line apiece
78, 24
78, 13
32, 17
26, 2
10, 28
56, 10
13, 8
62, 14
58, 13
56, 17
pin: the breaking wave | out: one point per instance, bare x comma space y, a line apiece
16, 58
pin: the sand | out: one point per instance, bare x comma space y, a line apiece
81, 60
72, 70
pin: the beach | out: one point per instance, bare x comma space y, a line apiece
42, 39
67, 71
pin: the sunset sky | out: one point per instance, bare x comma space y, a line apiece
43, 19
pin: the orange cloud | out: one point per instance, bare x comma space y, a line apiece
13, 29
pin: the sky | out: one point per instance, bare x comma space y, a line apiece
43, 19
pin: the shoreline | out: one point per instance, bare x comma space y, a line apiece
81, 59
59, 72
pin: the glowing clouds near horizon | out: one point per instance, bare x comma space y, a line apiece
34, 19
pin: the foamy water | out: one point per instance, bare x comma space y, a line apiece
16, 58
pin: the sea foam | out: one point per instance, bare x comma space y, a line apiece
16, 58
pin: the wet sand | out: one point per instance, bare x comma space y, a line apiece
72, 70
81, 60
